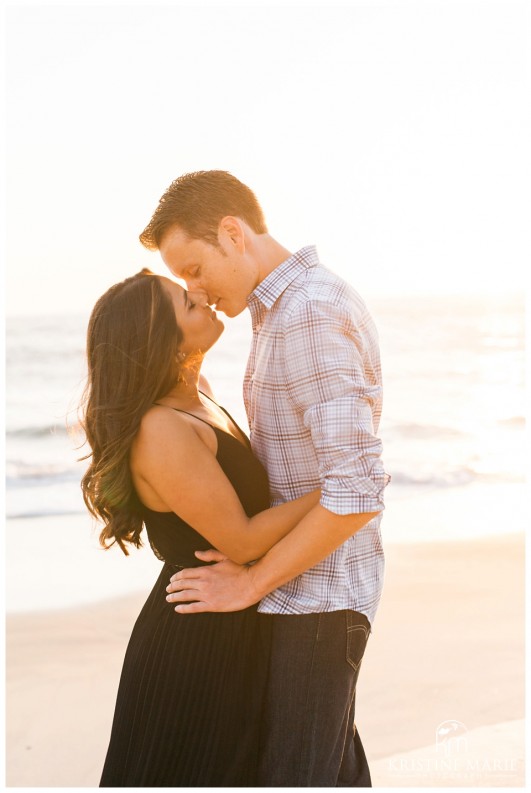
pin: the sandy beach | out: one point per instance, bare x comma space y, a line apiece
447, 646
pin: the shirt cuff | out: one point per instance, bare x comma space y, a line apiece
355, 495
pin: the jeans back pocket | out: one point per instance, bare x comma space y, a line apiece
358, 629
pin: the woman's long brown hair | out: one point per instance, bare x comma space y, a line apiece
132, 346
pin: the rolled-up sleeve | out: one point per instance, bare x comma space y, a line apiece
328, 380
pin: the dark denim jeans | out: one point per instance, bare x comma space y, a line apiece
309, 735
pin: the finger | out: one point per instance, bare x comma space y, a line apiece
187, 573
185, 595
178, 585
192, 608
211, 556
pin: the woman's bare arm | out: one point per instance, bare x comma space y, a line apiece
183, 471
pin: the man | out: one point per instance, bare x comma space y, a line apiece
313, 395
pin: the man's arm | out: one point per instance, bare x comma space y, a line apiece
230, 587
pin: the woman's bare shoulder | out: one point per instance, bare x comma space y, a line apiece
162, 423
160, 416
162, 451
163, 427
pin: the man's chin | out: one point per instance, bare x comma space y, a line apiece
230, 310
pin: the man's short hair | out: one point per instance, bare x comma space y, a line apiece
197, 202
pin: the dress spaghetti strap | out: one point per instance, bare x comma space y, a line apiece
189, 414
244, 434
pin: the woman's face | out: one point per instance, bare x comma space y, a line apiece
199, 324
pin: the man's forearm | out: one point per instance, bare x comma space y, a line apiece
230, 587
317, 535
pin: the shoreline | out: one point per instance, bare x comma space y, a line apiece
447, 644
79, 572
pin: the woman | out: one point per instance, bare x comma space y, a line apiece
166, 456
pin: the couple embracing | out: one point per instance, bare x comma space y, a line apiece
242, 666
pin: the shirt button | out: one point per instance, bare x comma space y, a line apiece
258, 327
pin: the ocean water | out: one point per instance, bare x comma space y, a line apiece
453, 408
453, 421
46, 373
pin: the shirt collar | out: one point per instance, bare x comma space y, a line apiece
269, 290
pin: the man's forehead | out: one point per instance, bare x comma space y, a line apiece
177, 249
176, 238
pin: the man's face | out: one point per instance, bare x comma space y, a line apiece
222, 273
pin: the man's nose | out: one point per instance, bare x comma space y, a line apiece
193, 283
198, 296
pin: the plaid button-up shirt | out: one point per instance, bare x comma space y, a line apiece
313, 396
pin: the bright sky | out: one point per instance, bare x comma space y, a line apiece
394, 135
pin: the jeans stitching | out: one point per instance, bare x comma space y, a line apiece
351, 629
365, 624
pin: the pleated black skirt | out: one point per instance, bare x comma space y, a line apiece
189, 704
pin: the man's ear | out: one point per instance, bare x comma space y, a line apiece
231, 231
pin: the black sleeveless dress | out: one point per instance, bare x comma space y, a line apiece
188, 710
